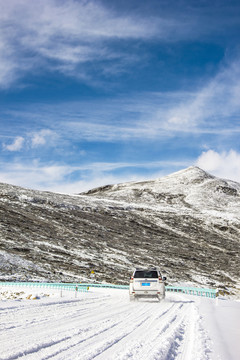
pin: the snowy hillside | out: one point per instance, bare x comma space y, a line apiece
188, 223
103, 324
192, 189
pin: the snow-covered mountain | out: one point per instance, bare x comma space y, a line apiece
188, 223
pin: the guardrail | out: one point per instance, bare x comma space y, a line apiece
61, 286
83, 287
211, 293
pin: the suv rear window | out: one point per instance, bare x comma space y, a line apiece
151, 274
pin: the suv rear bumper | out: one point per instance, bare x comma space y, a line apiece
145, 293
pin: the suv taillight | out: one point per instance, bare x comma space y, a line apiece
160, 278
131, 278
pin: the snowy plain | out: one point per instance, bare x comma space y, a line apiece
104, 324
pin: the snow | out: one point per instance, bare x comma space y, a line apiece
222, 318
8, 260
103, 324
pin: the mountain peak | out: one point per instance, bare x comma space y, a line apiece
192, 174
187, 188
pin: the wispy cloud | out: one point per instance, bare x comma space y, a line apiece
70, 33
16, 145
42, 137
209, 109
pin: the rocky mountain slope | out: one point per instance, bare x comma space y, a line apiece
188, 223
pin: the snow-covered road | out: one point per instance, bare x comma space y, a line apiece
103, 324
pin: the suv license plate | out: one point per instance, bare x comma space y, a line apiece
145, 284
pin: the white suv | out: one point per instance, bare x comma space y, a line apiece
147, 283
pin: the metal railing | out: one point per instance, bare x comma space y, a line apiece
63, 286
84, 287
211, 293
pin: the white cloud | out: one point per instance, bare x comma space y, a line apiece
42, 137
16, 145
33, 175
207, 110
224, 164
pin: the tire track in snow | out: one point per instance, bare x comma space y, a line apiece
83, 338
44, 332
43, 313
140, 342
117, 336
185, 341
196, 340
108, 328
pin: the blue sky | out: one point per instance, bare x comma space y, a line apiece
99, 92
